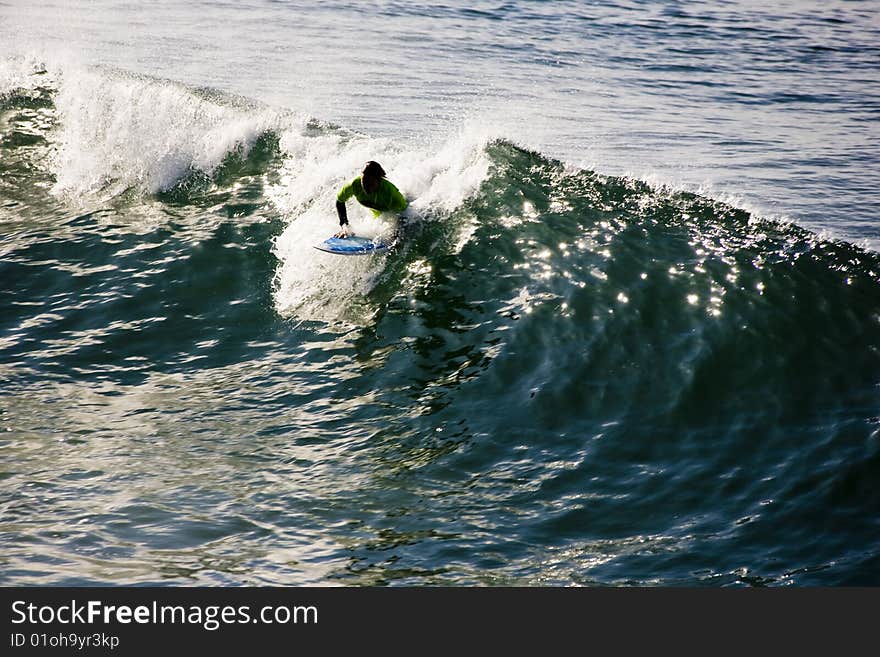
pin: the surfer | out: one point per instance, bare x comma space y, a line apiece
373, 190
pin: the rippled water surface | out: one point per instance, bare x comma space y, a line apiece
630, 336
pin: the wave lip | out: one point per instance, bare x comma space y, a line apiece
119, 132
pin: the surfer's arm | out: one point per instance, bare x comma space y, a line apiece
344, 194
343, 220
340, 210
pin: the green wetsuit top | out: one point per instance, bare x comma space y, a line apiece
385, 199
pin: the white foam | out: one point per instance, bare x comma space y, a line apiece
120, 131
21, 73
311, 284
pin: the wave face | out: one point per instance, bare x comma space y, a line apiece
558, 376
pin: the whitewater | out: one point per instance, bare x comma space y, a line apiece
631, 335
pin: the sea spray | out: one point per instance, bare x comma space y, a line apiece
120, 131
315, 285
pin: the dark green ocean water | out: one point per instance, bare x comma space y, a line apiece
560, 377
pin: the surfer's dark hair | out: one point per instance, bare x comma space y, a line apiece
373, 170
